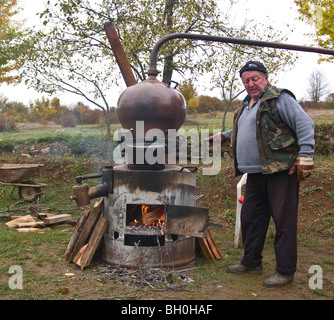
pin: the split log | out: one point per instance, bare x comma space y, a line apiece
153, 216
13, 223
30, 224
213, 246
14, 217
206, 249
57, 219
77, 258
209, 247
38, 230
42, 215
85, 256
76, 233
87, 229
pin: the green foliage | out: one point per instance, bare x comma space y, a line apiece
320, 14
324, 141
209, 104
6, 146
86, 145
13, 111
311, 190
11, 48
330, 194
6, 125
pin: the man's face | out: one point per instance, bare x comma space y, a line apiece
254, 82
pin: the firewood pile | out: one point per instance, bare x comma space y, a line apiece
86, 236
38, 223
209, 247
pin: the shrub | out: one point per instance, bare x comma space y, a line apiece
6, 125
6, 146
68, 120
324, 138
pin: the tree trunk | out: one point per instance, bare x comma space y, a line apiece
168, 65
109, 143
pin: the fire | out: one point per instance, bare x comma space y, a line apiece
153, 215
147, 216
144, 209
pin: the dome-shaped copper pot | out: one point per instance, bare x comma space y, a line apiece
151, 101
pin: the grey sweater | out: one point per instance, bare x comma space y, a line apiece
291, 113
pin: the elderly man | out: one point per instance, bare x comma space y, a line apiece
272, 141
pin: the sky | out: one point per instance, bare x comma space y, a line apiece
276, 13
279, 13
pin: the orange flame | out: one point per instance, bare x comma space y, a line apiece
144, 209
149, 213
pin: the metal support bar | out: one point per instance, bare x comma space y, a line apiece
154, 54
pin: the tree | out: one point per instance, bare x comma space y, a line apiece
11, 58
208, 104
44, 109
318, 86
72, 53
188, 90
320, 14
193, 103
15, 111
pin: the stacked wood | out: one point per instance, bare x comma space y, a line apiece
86, 236
209, 247
14, 223
29, 223
52, 220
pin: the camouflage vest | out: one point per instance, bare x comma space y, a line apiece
277, 142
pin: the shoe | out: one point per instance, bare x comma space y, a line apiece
240, 268
278, 279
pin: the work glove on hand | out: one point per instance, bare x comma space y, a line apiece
304, 166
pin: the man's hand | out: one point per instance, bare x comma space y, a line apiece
304, 167
217, 136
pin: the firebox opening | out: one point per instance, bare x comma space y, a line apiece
144, 241
150, 216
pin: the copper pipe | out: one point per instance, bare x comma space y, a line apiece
154, 54
120, 55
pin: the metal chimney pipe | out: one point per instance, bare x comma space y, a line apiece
119, 53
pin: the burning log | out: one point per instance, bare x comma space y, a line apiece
153, 217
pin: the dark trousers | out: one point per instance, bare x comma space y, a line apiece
270, 195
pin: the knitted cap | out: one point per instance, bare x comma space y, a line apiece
253, 66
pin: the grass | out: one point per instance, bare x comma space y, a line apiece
33, 253
202, 122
